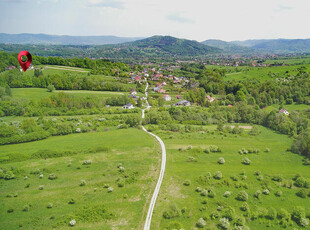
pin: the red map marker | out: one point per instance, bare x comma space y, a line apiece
26, 64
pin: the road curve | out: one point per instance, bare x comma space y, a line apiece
148, 220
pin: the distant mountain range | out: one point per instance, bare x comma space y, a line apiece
45, 39
121, 48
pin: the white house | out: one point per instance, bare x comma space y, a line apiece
167, 97
284, 111
128, 106
183, 103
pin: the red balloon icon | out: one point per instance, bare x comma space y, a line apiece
27, 63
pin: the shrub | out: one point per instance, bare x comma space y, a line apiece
234, 178
41, 187
9, 175
227, 194
260, 177
257, 194
245, 207
52, 177
198, 189
189, 147
242, 196
82, 183
278, 193
240, 221
10, 210
229, 213
110, 189
201, 223
41, 176
267, 150
121, 169
302, 193
300, 182
298, 213
172, 212
284, 214
218, 175
211, 194
224, 223
191, 159
26, 208
304, 222
204, 192
174, 226
87, 162
266, 192
204, 201
221, 160
71, 201
257, 173
246, 161
277, 178
187, 183
272, 213
50, 88
49, 205
121, 183
72, 222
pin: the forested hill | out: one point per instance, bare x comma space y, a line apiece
158, 46
46, 39
228, 47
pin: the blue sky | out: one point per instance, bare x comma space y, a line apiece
192, 19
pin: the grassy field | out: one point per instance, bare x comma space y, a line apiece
39, 93
23, 204
290, 108
184, 206
261, 73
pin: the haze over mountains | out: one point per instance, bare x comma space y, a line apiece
153, 47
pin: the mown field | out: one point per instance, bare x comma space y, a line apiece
190, 190
104, 181
39, 93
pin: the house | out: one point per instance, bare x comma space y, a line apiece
229, 106
167, 97
284, 111
155, 89
194, 85
161, 91
137, 78
128, 106
177, 81
154, 78
178, 96
209, 98
183, 103
159, 85
133, 92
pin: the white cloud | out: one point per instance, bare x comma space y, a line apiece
177, 17
106, 3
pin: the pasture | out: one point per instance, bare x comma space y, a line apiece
104, 181
190, 190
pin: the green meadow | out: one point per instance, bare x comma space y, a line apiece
102, 180
190, 190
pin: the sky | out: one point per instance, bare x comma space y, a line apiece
199, 20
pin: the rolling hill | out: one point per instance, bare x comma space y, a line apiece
45, 39
228, 47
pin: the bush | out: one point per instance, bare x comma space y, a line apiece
71, 201
242, 196
272, 213
218, 175
52, 177
277, 178
191, 159
41, 187
229, 213
221, 160
110, 189
26, 208
49, 205
240, 221
266, 192
198, 189
298, 213
172, 212
227, 194
301, 182
174, 226
187, 183
304, 222
82, 183
245, 207
284, 214
260, 177
50, 88
87, 162
257, 194
10, 210
302, 193
224, 223
267, 150
72, 222
204, 192
246, 161
201, 223
278, 193
9, 175
211, 194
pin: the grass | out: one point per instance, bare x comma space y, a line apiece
276, 162
127, 205
290, 108
39, 93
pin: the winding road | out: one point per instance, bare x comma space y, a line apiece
162, 170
